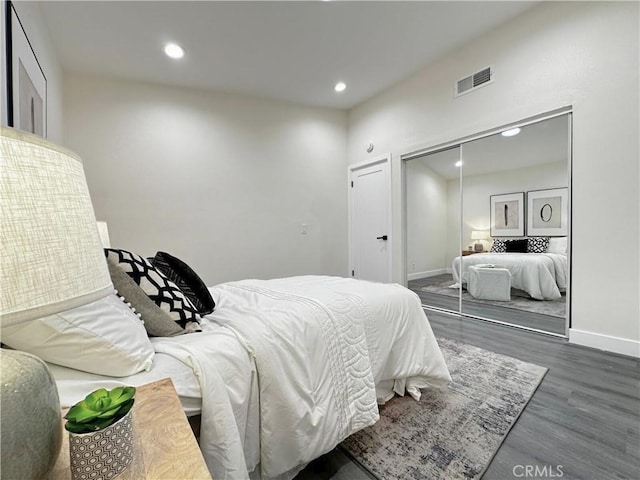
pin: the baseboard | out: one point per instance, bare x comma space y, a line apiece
427, 274
608, 343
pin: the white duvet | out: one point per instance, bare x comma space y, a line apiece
541, 275
290, 367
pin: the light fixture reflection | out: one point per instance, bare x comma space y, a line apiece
173, 50
340, 87
511, 133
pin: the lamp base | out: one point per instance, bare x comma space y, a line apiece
30, 416
478, 247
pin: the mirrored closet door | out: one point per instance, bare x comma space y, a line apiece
487, 226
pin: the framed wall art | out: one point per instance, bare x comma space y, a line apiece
26, 82
547, 212
507, 215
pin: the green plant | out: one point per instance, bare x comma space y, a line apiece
99, 409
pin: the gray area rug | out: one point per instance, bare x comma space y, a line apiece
453, 432
519, 300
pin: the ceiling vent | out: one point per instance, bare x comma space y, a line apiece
472, 82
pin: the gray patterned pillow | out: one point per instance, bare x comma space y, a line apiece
156, 321
158, 287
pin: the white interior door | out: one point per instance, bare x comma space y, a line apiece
370, 223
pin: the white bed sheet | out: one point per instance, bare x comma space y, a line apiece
74, 385
541, 275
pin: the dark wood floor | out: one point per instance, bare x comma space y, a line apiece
585, 416
507, 314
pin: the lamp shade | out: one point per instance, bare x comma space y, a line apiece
477, 235
51, 258
103, 230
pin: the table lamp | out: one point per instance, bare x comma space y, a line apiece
478, 235
51, 260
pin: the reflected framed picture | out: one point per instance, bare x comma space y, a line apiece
547, 212
26, 81
507, 215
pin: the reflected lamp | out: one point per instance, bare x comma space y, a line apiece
51, 260
478, 235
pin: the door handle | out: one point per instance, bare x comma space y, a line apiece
383, 237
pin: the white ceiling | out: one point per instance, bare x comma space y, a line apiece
294, 51
536, 144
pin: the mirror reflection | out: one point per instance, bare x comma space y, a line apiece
489, 238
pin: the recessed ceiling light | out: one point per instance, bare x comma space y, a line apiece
340, 87
173, 50
511, 133
459, 163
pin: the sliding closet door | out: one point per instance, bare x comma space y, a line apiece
433, 227
515, 198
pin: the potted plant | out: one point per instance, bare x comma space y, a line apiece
100, 434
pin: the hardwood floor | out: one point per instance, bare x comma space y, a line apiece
584, 417
507, 314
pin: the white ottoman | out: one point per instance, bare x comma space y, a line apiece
489, 283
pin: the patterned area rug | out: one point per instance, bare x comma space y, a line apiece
519, 300
454, 432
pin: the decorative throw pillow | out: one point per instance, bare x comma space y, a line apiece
516, 246
156, 321
187, 280
498, 246
103, 337
537, 244
557, 245
158, 287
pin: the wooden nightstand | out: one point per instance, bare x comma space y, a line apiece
470, 252
164, 445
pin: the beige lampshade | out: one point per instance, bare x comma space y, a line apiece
51, 258
478, 235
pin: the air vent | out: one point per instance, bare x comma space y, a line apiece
472, 82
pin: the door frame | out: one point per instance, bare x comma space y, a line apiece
351, 169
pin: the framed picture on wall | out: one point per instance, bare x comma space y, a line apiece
26, 82
507, 215
547, 212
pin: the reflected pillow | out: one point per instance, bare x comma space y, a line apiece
557, 245
498, 246
516, 246
103, 337
187, 280
158, 287
537, 244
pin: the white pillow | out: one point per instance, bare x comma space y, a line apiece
557, 245
103, 337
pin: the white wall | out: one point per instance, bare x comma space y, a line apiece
579, 54
426, 221
38, 35
477, 190
222, 181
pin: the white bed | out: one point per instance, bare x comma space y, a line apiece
286, 369
541, 275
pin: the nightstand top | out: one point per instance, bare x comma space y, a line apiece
163, 442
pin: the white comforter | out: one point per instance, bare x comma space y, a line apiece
290, 367
541, 275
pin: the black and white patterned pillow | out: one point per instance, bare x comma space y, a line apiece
158, 287
537, 244
498, 246
187, 281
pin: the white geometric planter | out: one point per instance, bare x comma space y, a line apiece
103, 454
